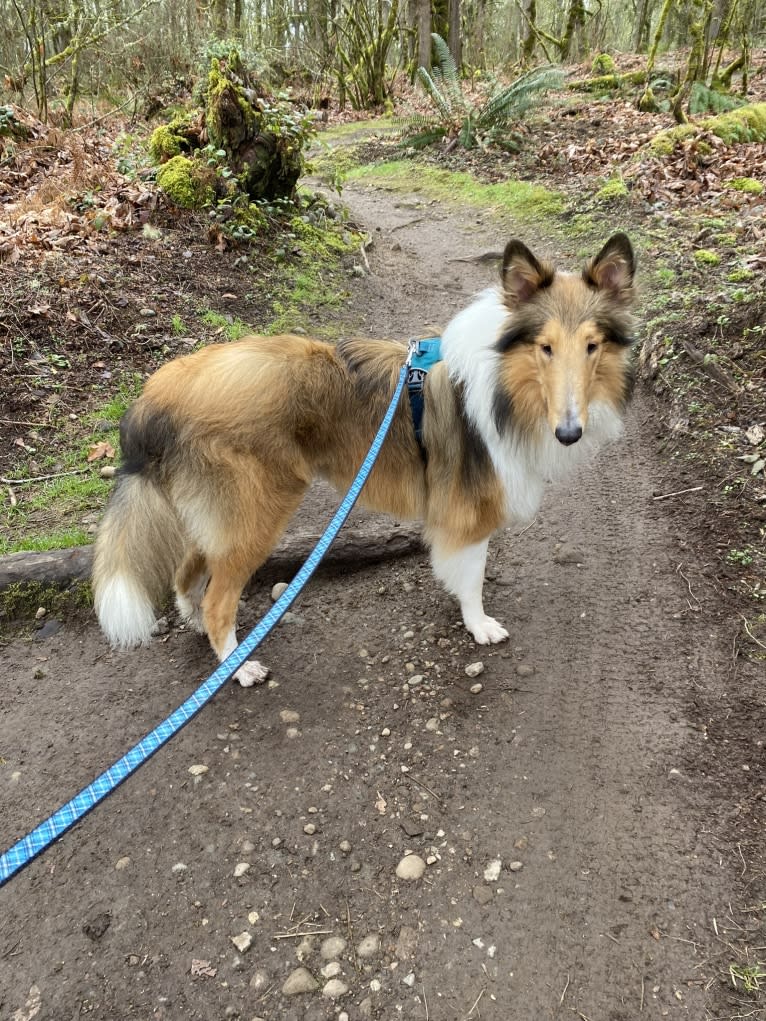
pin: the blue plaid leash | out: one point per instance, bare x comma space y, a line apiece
34, 843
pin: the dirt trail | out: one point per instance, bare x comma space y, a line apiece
581, 766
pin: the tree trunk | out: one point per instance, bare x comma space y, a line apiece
575, 20
424, 34
455, 38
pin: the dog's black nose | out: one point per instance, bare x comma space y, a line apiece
568, 434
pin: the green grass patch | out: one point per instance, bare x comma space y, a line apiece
358, 130
314, 282
518, 198
232, 328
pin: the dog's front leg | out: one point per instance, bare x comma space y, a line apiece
462, 573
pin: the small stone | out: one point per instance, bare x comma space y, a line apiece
482, 895
432, 723
253, 918
477, 688
334, 989
332, 947
41, 611
108, 471
243, 942
524, 670
516, 866
241, 869
474, 669
122, 863
409, 980
369, 946
198, 770
569, 555
161, 627
385, 732
492, 871
299, 981
363, 654
376, 985
290, 716
331, 970
415, 680
179, 867
365, 1007
310, 829
277, 590
259, 980
411, 867
345, 846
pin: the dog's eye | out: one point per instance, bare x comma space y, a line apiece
547, 350
592, 348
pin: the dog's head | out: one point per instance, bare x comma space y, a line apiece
566, 344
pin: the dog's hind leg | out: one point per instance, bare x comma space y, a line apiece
461, 572
219, 610
266, 517
190, 584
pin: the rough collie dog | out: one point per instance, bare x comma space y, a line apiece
220, 448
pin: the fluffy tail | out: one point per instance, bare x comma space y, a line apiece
138, 547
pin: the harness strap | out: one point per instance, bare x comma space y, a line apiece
424, 354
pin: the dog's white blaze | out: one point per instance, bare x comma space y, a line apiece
124, 613
524, 463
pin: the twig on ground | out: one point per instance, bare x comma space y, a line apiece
43, 478
689, 584
425, 999
750, 633
564, 991
409, 776
679, 492
474, 1005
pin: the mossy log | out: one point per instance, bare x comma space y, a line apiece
607, 82
746, 124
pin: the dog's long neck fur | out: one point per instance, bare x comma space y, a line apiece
524, 459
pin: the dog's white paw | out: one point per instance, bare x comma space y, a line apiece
251, 673
487, 631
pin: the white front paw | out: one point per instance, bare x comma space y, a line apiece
251, 673
487, 631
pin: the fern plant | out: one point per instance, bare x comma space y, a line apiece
466, 124
705, 100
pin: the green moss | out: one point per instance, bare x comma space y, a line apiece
747, 124
665, 142
21, 601
519, 198
603, 64
747, 184
615, 188
186, 182
164, 144
704, 257
740, 276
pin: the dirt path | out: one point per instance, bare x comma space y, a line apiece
588, 766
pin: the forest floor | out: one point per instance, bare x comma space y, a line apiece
591, 809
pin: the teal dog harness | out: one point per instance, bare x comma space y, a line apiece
424, 354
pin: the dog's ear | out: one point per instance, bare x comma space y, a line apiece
613, 268
523, 274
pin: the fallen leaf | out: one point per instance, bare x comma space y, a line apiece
101, 449
755, 434
381, 804
202, 969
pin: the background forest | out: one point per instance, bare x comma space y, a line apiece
140, 53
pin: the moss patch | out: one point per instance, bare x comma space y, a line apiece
747, 184
519, 198
614, 189
705, 257
186, 182
21, 601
